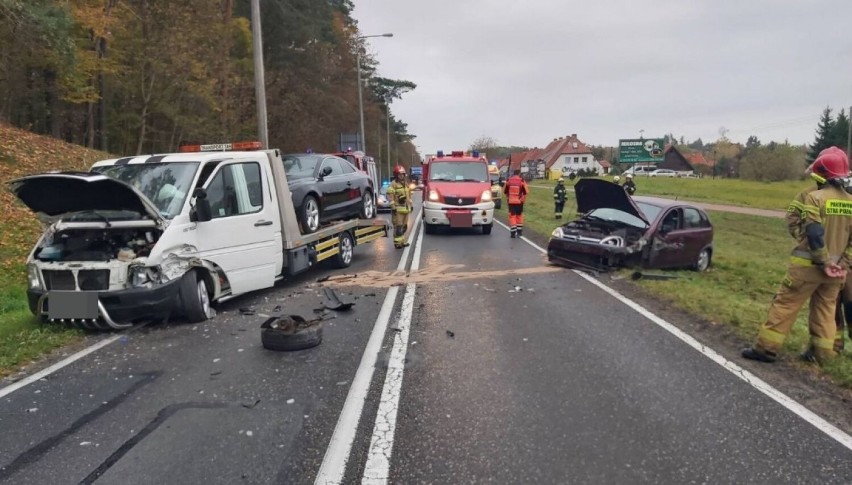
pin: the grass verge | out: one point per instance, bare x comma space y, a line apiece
22, 337
745, 193
750, 260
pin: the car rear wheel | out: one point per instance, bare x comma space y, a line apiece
703, 261
486, 229
344, 256
368, 206
428, 228
310, 214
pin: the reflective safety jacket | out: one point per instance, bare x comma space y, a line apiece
830, 207
400, 197
516, 190
796, 214
560, 193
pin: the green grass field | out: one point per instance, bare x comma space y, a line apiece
745, 193
749, 262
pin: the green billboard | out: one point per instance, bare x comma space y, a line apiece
641, 150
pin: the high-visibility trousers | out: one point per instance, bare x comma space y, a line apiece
843, 314
803, 281
516, 217
400, 225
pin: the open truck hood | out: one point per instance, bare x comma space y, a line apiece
55, 194
594, 194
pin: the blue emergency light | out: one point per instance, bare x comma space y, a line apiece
440, 153
475, 154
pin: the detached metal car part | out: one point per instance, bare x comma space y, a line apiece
616, 230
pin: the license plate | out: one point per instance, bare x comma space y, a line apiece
72, 304
460, 219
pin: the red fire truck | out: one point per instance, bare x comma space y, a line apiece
457, 192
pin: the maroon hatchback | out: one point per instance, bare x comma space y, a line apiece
617, 230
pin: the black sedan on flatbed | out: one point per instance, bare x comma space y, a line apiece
326, 188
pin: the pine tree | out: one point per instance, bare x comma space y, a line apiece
839, 132
826, 123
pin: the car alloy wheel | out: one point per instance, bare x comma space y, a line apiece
368, 210
311, 214
703, 261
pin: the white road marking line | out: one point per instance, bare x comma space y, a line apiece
759, 384
55, 367
377, 469
337, 454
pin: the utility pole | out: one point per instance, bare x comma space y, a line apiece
259, 83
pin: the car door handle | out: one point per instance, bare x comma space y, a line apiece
262, 223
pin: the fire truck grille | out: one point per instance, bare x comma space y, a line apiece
460, 200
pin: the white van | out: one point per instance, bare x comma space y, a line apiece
638, 170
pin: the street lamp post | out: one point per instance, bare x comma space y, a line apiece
360, 95
387, 108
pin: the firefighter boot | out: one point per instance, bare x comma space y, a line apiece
754, 353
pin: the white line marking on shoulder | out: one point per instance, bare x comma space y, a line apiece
834, 432
59, 365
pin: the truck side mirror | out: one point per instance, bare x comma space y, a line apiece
202, 211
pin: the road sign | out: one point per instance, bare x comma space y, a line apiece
641, 150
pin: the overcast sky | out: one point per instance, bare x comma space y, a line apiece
525, 72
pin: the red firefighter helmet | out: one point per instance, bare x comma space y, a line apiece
399, 169
831, 163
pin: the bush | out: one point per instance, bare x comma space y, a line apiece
773, 163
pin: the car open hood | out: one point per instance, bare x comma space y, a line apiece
594, 194
55, 194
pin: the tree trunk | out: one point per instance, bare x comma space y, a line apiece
54, 117
146, 99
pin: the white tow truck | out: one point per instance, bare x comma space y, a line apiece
145, 237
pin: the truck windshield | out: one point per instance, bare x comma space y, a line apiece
458, 172
300, 166
165, 184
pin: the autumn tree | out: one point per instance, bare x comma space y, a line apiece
773, 162
484, 144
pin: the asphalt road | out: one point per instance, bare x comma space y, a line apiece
514, 376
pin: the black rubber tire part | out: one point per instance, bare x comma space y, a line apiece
275, 339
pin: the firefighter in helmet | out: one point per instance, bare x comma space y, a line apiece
560, 193
629, 184
516, 191
400, 201
817, 267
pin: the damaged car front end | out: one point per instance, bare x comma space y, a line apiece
615, 230
97, 265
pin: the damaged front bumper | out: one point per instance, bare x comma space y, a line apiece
116, 309
591, 256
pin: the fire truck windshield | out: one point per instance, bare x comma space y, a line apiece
458, 172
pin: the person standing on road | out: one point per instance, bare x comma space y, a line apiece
629, 184
818, 265
560, 193
516, 191
400, 201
